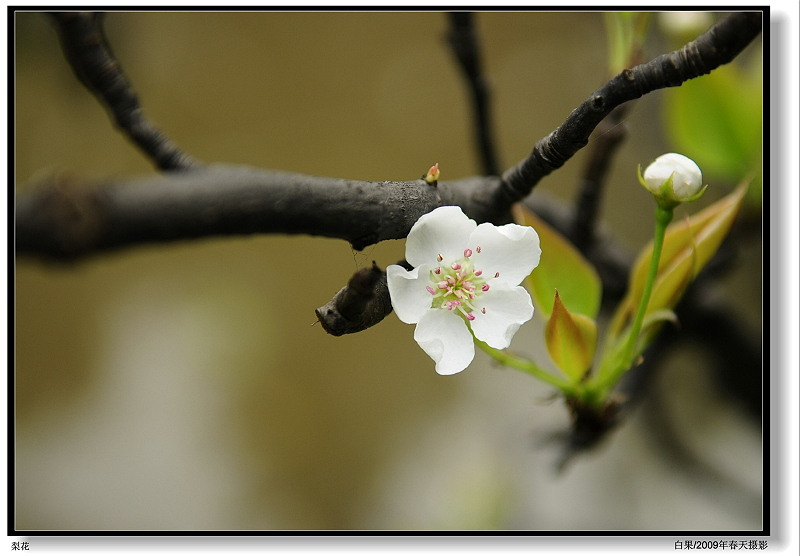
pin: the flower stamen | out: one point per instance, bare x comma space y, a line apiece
458, 284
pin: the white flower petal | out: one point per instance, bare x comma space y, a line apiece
410, 299
506, 309
445, 337
443, 231
511, 250
497, 306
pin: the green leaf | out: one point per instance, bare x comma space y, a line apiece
672, 282
717, 121
652, 323
711, 225
561, 267
571, 340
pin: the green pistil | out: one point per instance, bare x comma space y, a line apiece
457, 285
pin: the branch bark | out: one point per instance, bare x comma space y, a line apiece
68, 219
85, 47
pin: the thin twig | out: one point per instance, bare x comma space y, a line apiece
610, 134
87, 51
464, 43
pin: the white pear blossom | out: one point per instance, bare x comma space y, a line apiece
465, 276
673, 178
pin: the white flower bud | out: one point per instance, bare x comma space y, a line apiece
673, 179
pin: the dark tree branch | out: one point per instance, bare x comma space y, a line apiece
464, 42
610, 134
67, 220
721, 44
87, 51
362, 303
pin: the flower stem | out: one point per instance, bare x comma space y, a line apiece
523, 364
663, 218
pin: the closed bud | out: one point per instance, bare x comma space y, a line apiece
432, 176
673, 179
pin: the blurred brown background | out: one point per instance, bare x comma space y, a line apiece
184, 386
